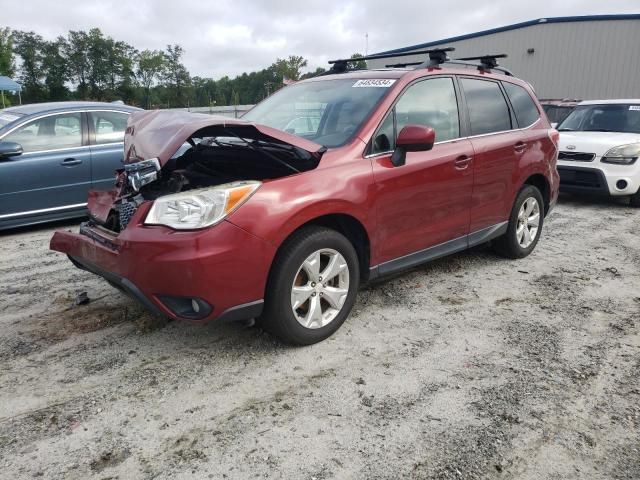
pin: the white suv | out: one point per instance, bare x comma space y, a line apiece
600, 149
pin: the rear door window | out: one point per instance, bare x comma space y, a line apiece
488, 109
523, 106
109, 126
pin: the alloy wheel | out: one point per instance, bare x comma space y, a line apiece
320, 288
528, 222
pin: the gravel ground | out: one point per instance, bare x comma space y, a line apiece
470, 367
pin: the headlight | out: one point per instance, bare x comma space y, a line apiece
623, 155
199, 208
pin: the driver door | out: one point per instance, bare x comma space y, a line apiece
426, 202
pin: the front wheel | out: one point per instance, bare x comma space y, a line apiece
312, 286
635, 199
525, 225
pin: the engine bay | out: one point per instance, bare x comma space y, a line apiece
207, 161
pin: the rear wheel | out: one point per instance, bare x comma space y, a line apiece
525, 225
312, 286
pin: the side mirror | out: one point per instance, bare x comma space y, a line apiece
554, 124
10, 149
412, 138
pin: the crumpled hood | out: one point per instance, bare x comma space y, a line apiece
595, 142
159, 134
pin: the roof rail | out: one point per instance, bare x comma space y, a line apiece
436, 57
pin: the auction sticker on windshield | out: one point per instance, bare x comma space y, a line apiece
631, 107
375, 82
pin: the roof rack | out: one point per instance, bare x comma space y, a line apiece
487, 61
437, 56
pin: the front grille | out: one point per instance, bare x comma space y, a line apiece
580, 178
576, 156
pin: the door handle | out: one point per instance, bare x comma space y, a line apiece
462, 162
70, 162
520, 147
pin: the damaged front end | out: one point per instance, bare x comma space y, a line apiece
220, 161
183, 172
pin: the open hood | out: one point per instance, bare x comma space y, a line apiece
159, 134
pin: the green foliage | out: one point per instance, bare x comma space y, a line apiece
88, 65
176, 76
55, 69
360, 65
289, 68
7, 65
150, 67
28, 46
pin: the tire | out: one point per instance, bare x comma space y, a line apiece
514, 243
287, 314
634, 200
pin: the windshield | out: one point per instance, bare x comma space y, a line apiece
603, 118
327, 112
557, 113
6, 118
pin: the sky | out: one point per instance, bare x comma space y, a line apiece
224, 37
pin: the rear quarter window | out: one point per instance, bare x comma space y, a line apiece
524, 107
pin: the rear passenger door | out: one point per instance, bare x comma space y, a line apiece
498, 147
106, 134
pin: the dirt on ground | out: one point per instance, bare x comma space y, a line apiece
470, 367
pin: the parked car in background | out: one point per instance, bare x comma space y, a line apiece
600, 147
52, 154
404, 165
558, 110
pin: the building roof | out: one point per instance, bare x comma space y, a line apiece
515, 26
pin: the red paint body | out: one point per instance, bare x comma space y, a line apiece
457, 188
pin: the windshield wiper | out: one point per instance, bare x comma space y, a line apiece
598, 130
565, 129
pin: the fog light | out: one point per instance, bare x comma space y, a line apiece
621, 184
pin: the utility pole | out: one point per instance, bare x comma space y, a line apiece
366, 44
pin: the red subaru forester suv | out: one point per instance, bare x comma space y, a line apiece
329, 183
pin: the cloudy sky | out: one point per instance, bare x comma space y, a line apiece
224, 37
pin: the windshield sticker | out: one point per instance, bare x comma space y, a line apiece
374, 82
634, 107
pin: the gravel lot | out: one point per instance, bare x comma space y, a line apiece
470, 367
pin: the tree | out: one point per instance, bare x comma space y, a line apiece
318, 71
176, 76
7, 67
360, 65
151, 65
29, 46
55, 69
75, 51
120, 72
290, 67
